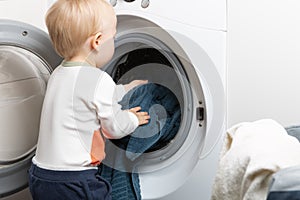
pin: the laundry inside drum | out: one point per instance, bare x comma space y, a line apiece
161, 98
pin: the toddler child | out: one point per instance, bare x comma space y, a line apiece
80, 108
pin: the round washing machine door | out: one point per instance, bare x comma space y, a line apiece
146, 51
26, 61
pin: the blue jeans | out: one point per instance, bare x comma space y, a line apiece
67, 185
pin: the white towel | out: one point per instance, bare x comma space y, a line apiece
252, 152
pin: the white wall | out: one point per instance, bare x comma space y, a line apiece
27, 11
264, 60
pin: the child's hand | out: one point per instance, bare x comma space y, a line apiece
134, 83
143, 117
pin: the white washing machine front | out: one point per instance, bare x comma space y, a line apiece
26, 61
193, 43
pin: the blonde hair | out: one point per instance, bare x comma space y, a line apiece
71, 22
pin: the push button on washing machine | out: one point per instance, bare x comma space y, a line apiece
145, 3
113, 2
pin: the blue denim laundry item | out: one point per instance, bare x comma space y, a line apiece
165, 113
285, 184
294, 131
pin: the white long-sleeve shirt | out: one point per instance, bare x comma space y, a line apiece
79, 100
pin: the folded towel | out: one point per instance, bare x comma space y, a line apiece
124, 155
252, 152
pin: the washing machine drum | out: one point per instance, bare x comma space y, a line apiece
26, 61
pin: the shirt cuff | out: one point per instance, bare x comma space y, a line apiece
134, 119
120, 92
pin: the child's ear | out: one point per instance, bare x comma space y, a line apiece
96, 41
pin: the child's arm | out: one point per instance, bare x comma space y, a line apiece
121, 90
115, 122
134, 83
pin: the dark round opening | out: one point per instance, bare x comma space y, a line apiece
140, 56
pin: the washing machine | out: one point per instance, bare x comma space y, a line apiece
182, 45
26, 62
178, 44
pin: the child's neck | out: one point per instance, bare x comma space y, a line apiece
82, 59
